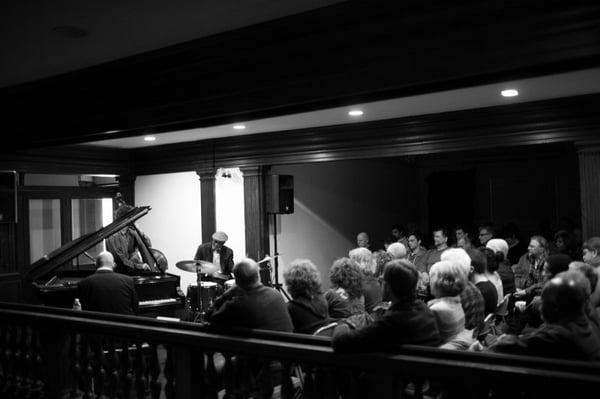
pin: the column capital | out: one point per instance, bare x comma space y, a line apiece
588, 146
206, 174
252, 171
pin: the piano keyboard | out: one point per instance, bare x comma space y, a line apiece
155, 302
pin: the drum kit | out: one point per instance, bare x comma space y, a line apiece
200, 297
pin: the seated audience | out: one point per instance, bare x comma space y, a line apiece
381, 258
479, 277
528, 271
500, 248
407, 321
564, 243
308, 306
399, 234
397, 250
470, 298
362, 240
516, 246
591, 256
464, 243
492, 273
566, 332
486, 233
250, 304
372, 290
440, 242
417, 253
345, 297
589, 273
447, 280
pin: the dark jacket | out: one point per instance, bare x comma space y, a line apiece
308, 314
408, 323
570, 340
205, 252
260, 307
107, 291
373, 293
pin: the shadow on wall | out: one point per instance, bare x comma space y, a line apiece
305, 234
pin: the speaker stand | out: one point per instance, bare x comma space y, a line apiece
277, 285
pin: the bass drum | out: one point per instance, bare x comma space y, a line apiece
161, 259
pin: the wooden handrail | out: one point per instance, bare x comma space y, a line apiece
445, 365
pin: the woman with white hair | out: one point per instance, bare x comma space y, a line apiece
372, 289
447, 280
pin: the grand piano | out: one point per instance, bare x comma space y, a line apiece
53, 278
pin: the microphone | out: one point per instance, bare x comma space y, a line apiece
267, 258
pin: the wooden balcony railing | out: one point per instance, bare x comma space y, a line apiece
57, 353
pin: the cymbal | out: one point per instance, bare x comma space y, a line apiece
196, 266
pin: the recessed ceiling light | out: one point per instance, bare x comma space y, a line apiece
111, 131
239, 127
355, 112
509, 93
149, 138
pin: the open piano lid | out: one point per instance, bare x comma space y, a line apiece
48, 263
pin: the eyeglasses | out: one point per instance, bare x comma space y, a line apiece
484, 234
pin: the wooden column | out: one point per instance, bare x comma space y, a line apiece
589, 177
207, 203
255, 216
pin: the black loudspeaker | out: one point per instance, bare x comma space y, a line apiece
280, 194
8, 196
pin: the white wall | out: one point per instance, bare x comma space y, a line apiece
229, 204
174, 221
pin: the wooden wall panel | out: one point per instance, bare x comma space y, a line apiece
589, 171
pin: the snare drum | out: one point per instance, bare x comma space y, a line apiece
229, 283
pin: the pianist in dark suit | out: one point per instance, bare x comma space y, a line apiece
124, 246
107, 291
217, 253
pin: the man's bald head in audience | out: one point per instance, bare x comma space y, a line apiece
247, 274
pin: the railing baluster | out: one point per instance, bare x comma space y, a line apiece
126, 374
76, 365
115, 389
141, 372
169, 373
155, 371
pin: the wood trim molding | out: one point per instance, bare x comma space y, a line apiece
543, 122
305, 62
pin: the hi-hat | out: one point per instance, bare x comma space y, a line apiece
197, 266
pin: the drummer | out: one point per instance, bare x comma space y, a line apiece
219, 255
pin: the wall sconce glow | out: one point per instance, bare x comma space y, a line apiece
239, 127
509, 93
355, 112
149, 138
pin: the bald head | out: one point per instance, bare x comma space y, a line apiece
105, 259
362, 240
397, 250
247, 274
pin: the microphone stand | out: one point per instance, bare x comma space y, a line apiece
277, 285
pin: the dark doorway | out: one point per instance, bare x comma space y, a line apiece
450, 199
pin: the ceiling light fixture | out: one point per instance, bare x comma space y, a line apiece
509, 93
149, 138
239, 127
355, 112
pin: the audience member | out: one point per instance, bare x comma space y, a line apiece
407, 321
500, 248
492, 271
399, 234
516, 246
250, 304
345, 297
470, 298
566, 332
417, 254
564, 243
486, 233
362, 240
528, 271
397, 250
372, 290
464, 243
479, 277
590, 274
591, 251
440, 242
447, 280
381, 258
308, 306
